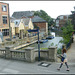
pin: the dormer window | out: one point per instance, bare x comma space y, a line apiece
17, 23
4, 8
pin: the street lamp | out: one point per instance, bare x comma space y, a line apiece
9, 24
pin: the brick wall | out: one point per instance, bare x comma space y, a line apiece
41, 25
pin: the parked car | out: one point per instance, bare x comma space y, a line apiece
43, 41
50, 37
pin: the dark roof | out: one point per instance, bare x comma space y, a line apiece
38, 19
26, 21
21, 14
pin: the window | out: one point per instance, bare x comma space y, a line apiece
17, 23
5, 32
4, 8
57, 21
61, 17
4, 19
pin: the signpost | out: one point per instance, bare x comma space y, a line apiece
36, 30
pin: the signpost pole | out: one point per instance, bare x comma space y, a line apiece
38, 47
36, 30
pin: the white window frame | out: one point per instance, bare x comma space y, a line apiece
4, 8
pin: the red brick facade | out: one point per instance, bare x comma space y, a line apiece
41, 25
4, 18
4, 13
63, 20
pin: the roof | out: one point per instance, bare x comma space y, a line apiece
38, 19
17, 21
26, 21
63, 15
20, 14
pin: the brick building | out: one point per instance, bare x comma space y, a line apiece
4, 18
61, 20
41, 23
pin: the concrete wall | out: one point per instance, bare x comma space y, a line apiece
29, 54
18, 42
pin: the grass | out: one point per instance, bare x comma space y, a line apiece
44, 48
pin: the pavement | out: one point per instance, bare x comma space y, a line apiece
21, 67
71, 52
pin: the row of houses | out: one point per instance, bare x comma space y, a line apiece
20, 21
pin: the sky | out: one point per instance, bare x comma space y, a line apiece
52, 8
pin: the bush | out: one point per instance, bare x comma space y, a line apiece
59, 51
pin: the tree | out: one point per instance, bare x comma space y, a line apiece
45, 16
67, 32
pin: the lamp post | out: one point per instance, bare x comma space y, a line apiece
9, 24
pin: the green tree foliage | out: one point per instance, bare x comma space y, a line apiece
72, 16
45, 16
67, 32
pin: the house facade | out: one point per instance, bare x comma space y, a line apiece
4, 18
61, 20
21, 25
41, 23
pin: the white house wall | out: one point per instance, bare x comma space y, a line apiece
21, 26
13, 28
31, 25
